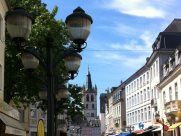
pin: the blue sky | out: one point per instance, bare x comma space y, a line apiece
121, 35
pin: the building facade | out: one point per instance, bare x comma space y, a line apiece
152, 90
103, 100
169, 89
34, 115
143, 98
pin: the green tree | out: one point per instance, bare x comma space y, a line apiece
20, 85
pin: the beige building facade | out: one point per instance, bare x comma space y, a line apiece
170, 94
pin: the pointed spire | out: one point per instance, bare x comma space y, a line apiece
88, 81
96, 87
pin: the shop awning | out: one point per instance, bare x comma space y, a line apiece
138, 131
174, 126
12, 126
158, 129
124, 134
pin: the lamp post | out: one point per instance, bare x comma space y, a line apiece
160, 120
19, 25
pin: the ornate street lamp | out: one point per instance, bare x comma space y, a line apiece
78, 24
62, 93
19, 23
72, 62
29, 61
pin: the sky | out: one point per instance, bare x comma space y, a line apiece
121, 36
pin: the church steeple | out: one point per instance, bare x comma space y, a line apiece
88, 81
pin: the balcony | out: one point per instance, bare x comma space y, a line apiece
173, 107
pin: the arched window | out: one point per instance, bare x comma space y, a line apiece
92, 97
87, 97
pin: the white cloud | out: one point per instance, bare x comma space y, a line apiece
135, 53
134, 45
140, 8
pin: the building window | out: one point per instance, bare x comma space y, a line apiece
137, 83
138, 98
87, 97
141, 114
170, 93
87, 106
154, 70
148, 93
164, 97
134, 85
149, 113
141, 99
145, 111
141, 81
92, 97
176, 91
92, 114
132, 101
136, 117
135, 101
145, 94
147, 74
93, 106
152, 94
157, 67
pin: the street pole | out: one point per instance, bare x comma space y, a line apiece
163, 126
50, 80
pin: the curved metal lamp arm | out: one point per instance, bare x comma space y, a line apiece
71, 76
79, 47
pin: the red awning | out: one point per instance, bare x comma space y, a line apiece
138, 131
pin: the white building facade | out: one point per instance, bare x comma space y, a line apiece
145, 89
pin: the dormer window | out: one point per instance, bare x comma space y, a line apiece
177, 56
165, 69
171, 63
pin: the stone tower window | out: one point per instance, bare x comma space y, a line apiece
92, 97
92, 106
92, 114
87, 97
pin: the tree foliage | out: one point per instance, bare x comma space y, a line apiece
21, 85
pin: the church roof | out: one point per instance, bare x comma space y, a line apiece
88, 81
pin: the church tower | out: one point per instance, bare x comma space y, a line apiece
90, 98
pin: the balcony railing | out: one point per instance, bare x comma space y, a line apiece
173, 107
